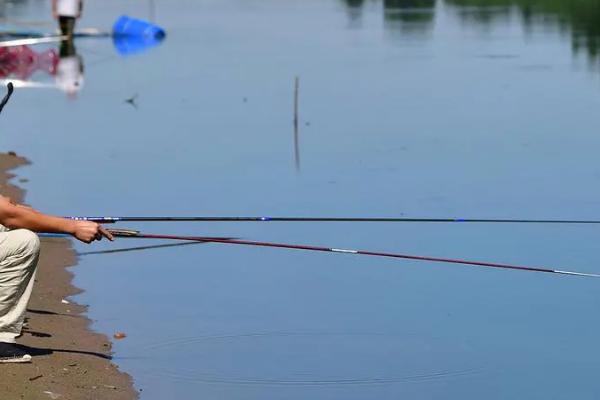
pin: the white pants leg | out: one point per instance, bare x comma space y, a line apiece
19, 252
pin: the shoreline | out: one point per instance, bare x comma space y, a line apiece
70, 361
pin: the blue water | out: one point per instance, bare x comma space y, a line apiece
446, 110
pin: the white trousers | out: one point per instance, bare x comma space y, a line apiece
19, 252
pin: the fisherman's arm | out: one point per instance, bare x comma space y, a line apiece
15, 216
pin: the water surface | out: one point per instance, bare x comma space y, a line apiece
407, 108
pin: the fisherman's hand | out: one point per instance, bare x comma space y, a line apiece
88, 231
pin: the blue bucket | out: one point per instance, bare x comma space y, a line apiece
128, 45
132, 27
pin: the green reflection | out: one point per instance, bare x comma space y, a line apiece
354, 3
404, 16
578, 18
409, 16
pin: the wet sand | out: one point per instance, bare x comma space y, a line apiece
70, 361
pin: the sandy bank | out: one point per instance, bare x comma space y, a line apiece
71, 362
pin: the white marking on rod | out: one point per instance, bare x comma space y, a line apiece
344, 251
577, 273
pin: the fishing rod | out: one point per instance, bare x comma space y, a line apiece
10, 88
110, 220
127, 233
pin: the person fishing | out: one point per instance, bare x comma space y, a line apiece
19, 252
67, 12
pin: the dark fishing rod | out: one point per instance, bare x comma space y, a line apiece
10, 88
109, 220
136, 234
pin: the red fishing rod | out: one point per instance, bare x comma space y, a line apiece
136, 234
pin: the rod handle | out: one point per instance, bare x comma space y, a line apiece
124, 232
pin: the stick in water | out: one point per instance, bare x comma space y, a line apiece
10, 89
137, 234
296, 131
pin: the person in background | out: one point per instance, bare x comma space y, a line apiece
19, 252
67, 12
69, 70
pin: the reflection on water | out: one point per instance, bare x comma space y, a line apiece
69, 72
579, 19
23, 64
20, 64
409, 16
